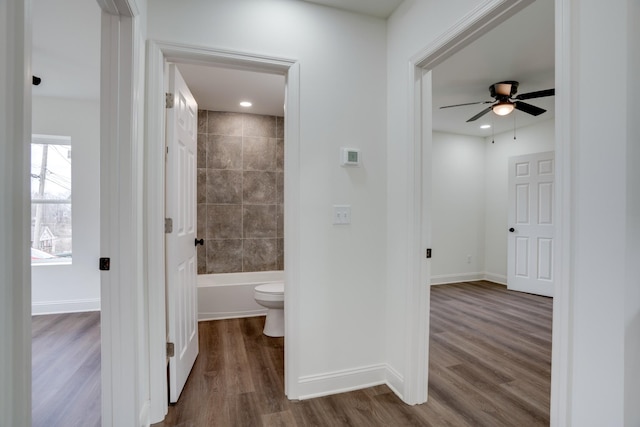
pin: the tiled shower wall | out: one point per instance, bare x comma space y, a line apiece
240, 192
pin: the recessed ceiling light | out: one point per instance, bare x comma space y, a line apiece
485, 126
245, 104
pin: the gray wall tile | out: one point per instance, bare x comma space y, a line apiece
224, 221
256, 125
259, 221
259, 187
202, 121
223, 123
202, 150
259, 255
258, 154
224, 152
240, 180
279, 154
280, 127
224, 256
224, 186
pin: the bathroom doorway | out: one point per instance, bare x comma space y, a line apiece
190, 59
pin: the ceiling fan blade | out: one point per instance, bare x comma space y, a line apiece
480, 114
537, 94
528, 108
468, 103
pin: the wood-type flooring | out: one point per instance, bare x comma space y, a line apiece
66, 370
490, 364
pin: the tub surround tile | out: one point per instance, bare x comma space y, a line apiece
223, 123
279, 127
280, 255
202, 260
280, 187
224, 152
257, 125
224, 186
201, 227
224, 256
202, 150
224, 221
259, 221
258, 154
259, 187
279, 154
240, 183
202, 121
201, 183
280, 221
259, 255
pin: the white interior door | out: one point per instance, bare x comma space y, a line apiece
181, 262
531, 224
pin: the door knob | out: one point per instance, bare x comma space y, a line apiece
511, 230
200, 242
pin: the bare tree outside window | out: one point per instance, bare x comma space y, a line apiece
50, 199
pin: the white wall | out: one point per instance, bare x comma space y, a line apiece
531, 139
412, 26
469, 205
458, 208
342, 103
74, 287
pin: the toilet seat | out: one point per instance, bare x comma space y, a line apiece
270, 292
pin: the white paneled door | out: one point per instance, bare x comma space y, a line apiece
531, 224
181, 262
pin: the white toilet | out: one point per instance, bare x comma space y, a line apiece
271, 296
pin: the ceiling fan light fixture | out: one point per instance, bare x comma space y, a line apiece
503, 108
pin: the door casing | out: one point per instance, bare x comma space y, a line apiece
158, 53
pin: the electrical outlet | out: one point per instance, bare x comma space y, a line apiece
342, 214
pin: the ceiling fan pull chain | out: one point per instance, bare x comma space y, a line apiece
514, 125
493, 130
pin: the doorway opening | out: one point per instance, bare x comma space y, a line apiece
159, 55
65, 221
471, 28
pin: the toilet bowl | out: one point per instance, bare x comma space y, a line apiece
271, 296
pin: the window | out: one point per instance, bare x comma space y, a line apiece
50, 199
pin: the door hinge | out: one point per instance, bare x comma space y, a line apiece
168, 100
171, 349
429, 253
104, 264
168, 225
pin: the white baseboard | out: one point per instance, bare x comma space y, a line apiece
341, 381
443, 279
70, 306
220, 315
496, 278
395, 381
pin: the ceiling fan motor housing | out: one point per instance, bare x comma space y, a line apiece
504, 90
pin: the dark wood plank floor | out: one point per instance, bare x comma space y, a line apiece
66, 370
490, 362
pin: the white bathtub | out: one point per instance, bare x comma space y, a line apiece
230, 295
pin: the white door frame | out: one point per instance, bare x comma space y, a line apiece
123, 348
157, 54
481, 20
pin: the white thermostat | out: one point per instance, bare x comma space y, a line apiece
349, 157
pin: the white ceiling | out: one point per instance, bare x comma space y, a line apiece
66, 50
520, 49
378, 8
